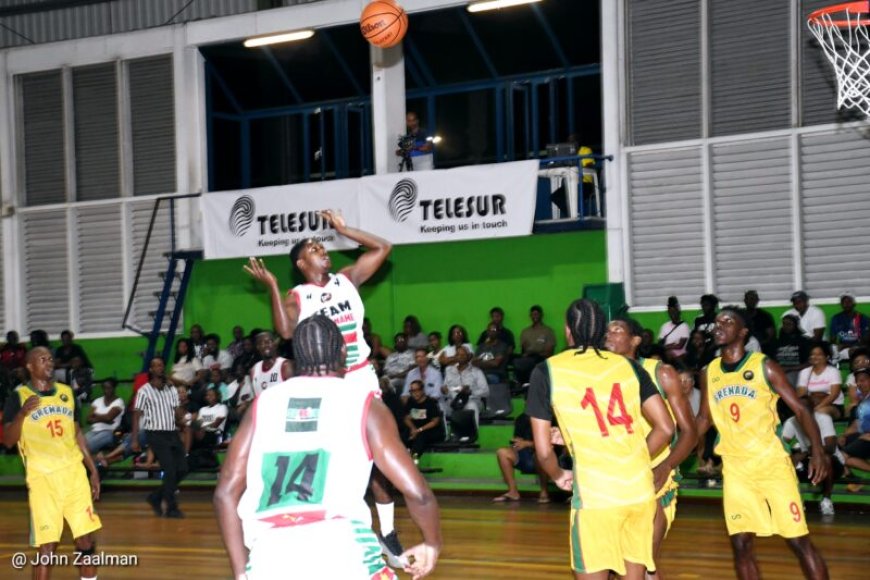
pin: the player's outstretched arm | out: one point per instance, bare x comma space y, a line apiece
231, 485
370, 262
682, 410
656, 412
392, 459
285, 311
819, 465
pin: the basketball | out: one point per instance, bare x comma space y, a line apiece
383, 23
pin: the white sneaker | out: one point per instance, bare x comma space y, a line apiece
827, 506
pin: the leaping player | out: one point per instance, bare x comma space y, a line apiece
336, 296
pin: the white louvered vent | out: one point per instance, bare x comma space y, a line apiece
99, 267
666, 217
97, 150
46, 278
752, 225
152, 116
42, 124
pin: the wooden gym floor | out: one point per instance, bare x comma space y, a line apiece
482, 540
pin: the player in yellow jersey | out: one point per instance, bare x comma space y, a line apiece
624, 337
739, 393
40, 417
600, 398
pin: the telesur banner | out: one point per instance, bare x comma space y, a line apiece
486, 201
269, 220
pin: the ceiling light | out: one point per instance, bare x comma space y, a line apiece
276, 38
496, 4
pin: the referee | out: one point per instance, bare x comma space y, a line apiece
159, 412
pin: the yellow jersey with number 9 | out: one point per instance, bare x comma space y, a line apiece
597, 401
743, 408
48, 435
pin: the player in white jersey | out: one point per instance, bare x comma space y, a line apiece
290, 495
336, 296
272, 369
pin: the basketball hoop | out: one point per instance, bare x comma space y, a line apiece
842, 30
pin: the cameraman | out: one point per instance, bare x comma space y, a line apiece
415, 148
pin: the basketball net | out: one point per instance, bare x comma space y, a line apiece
842, 32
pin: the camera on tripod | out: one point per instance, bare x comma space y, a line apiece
406, 145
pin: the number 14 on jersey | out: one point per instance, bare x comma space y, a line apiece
615, 404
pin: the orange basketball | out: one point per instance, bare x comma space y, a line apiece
383, 23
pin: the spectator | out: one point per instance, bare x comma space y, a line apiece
12, 353
424, 373
188, 414
416, 149
465, 386
216, 382
800, 452
761, 324
210, 421
457, 336
105, 417
707, 321
698, 352
80, 378
422, 420
521, 456
687, 384
414, 333
433, 349
849, 327
859, 358
64, 355
496, 316
647, 344
236, 347
812, 319
187, 364
249, 356
822, 382
492, 356
537, 342
39, 338
378, 350
399, 363
674, 334
792, 349
855, 440
215, 357
197, 340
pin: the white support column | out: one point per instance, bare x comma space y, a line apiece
190, 138
388, 105
614, 121
12, 280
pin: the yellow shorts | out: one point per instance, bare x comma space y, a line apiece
603, 539
761, 496
667, 498
63, 495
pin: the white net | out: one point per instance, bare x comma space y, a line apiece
845, 41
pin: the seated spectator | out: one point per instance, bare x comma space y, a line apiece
197, 341
859, 358
235, 348
496, 316
80, 378
812, 319
214, 357
424, 373
249, 356
457, 336
465, 386
399, 363
699, 352
849, 327
707, 321
185, 428
521, 456
216, 382
855, 441
378, 350
760, 322
647, 344
792, 349
537, 342
187, 364
64, 355
422, 420
433, 349
793, 433
414, 333
39, 338
822, 382
210, 421
492, 356
104, 417
687, 384
674, 334
12, 353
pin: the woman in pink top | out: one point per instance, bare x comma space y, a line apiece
822, 382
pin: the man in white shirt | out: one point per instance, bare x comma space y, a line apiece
214, 356
674, 334
813, 324
105, 416
425, 373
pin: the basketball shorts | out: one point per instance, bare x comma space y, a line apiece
603, 539
62, 495
366, 378
526, 460
667, 498
761, 496
337, 548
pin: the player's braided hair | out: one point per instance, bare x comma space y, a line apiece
587, 324
317, 346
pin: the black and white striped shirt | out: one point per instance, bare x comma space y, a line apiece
158, 407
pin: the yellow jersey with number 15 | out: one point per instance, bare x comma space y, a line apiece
743, 408
597, 401
48, 435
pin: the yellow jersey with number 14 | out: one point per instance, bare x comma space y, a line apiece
743, 408
48, 435
597, 401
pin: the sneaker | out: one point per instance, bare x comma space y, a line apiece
154, 501
392, 549
826, 506
174, 513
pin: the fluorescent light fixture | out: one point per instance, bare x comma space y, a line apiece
277, 38
496, 4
